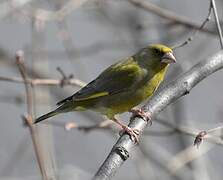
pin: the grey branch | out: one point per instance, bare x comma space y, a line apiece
217, 22
48, 82
166, 14
169, 94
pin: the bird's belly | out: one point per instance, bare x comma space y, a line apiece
122, 103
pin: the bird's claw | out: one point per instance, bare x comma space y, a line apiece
140, 113
133, 133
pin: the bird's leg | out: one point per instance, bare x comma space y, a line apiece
133, 133
137, 112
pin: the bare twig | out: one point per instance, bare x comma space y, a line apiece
187, 155
48, 82
106, 124
217, 23
10, 6
20, 63
65, 79
42, 14
173, 91
197, 30
207, 135
169, 15
67, 8
29, 118
188, 131
190, 153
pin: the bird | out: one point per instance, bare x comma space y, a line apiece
121, 87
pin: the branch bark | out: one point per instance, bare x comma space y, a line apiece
169, 94
29, 118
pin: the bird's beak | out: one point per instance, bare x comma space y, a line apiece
168, 58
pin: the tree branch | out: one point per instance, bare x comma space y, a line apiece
164, 13
217, 22
169, 94
29, 118
48, 82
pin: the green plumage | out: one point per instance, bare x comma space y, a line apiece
121, 86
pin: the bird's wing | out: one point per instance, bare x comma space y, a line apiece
118, 78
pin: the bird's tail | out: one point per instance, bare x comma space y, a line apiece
45, 116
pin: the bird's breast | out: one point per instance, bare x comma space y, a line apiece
150, 86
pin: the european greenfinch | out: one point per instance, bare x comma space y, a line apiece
121, 86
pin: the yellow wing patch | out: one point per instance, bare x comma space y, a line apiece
96, 95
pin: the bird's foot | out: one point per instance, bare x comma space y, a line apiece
136, 112
133, 133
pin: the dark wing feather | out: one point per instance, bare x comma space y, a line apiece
64, 100
85, 90
115, 79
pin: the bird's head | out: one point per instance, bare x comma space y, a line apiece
156, 54
162, 53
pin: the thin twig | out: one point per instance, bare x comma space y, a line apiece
188, 131
65, 79
10, 6
174, 129
29, 118
169, 94
159, 156
164, 13
186, 156
29, 96
190, 153
217, 23
197, 30
106, 124
48, 82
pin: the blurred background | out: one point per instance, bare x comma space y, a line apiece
82, 38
